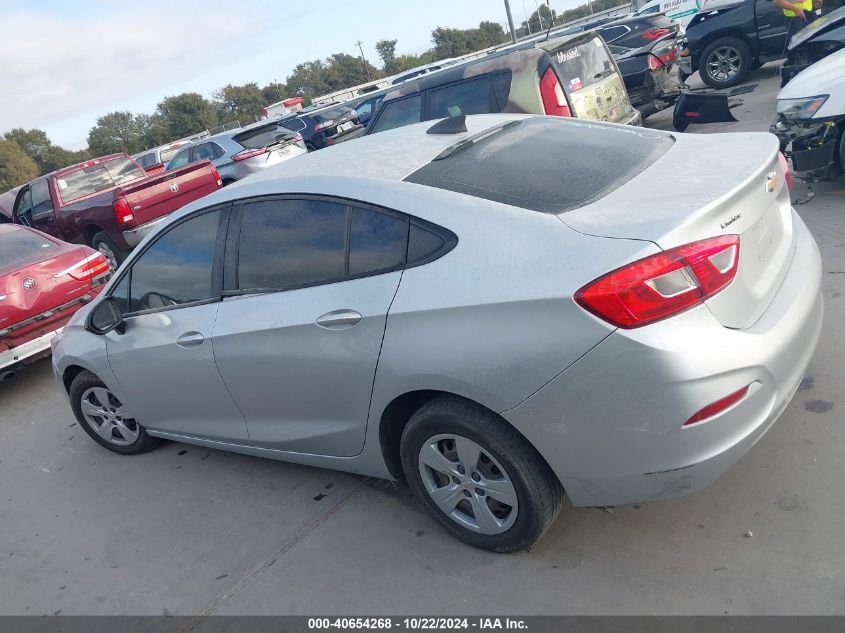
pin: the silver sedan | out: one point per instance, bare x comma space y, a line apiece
499, 310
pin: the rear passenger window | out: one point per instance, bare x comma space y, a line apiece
286, 243
177, 267
398, 113
377, 241
467, 97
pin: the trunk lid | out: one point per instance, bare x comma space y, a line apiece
703, 187
162, 194
34, 286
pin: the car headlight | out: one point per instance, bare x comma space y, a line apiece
801, 108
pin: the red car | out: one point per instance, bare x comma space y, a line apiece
43, 281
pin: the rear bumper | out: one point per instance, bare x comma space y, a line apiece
611, 425
133, 237
27, 351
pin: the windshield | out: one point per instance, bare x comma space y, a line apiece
100, 177
263, 136
21, 247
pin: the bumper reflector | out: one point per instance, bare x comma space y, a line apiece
717, 407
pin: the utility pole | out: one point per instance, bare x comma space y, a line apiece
539, 15
510, 21
527, 17
279, 88
366, 65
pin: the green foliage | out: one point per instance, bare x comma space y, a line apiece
46, 156
387, 53
16, 167
240, 103
59, 157
186, 114
115, 132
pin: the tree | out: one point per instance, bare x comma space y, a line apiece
16, 167
386, 50
491, 34
34, 144
115, 132
273, 92
58, 157
241, 103
539, 21
186, 114
346, 70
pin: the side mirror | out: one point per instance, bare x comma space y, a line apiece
107, 316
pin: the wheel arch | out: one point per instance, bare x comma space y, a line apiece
401, 409
89, 232
70, 373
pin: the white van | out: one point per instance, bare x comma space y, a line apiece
679, 10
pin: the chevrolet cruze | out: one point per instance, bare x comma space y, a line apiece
499, 310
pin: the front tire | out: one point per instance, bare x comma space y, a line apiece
105, 418
477, 476
103, 243
725, 62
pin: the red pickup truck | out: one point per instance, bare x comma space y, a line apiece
109, 203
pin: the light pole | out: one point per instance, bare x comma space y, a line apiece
510, 21
539, 15
527, 17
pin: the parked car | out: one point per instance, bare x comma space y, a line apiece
109, 203
631, 31
574, 75
154, 160
532, 306
728, 38
43, 282
815, 41
324, 126
681, 11
811, 119
648, 74
367, 105
243, 151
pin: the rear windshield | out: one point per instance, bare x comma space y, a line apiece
99, 177
262, 136
331, 115
547, 164
21, 247
582, 65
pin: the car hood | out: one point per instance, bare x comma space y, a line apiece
823, 77
834, 18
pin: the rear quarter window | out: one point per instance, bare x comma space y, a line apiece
546, 164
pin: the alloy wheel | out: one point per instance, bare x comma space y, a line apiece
108, 417
468, 484
723, 63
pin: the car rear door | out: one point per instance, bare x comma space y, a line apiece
297, 338
164, 361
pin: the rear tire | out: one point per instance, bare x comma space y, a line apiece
104, 418
103, 243
725, 62
502, 499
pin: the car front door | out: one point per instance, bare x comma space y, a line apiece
771, 28
163, 359
297, 339
43, 216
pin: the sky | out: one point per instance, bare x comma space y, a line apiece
65, 63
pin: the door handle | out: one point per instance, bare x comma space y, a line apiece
190, 339
339, 319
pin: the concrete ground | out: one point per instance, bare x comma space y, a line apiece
186, 530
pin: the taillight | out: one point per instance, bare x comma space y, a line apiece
323, 125
654, 62
554, 101
717, 407
656, 33
90, 267
658, 60
216, 175
787, 172
249, 153
122, 211
662, 285
298, 138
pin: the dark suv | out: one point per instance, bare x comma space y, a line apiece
321, 127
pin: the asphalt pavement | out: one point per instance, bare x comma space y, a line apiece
190, 531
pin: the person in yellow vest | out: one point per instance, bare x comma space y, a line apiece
798, 13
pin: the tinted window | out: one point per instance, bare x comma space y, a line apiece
203, 152
41, 203
99, 177
467, 97
331, 115
377, 241
291, 242
398, 113
120, 294
583, 65
24, 208
423, 244
167, 154
502, 86
614, 32
262, 136
293, 124
548, 164
180, 160
21, 247
177, 267
147, 160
